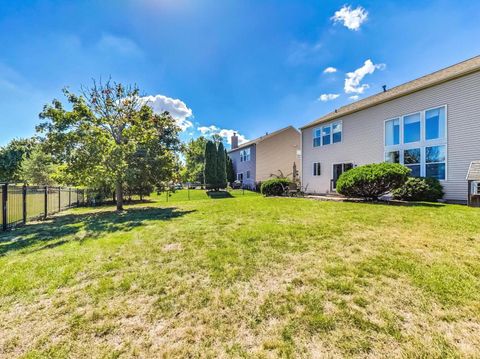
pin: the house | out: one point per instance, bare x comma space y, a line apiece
431, 125
274, 153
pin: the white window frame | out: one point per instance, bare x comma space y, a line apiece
245, 155
320, 128
313, 169
422, 144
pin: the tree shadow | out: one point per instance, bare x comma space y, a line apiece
80, 227
219, 194
399, 203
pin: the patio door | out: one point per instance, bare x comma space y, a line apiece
338, 169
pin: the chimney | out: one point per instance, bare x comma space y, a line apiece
384, 88
234, 140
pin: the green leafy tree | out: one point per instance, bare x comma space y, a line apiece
194, 153
230, 169
38, 168
210, 168
12, 156
221, 166
107, 124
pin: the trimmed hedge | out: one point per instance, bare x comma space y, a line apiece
420, 189
274, 186
372, 181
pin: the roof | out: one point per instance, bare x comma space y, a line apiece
458, 70
474, 171
262, 138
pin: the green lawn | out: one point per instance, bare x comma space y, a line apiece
244, 276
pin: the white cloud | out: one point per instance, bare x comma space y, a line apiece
354, 97
304, 53
225, 133
121, 45
330, 70
351, 18
177, 108
354, 79
328, 97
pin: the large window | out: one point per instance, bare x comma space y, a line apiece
316, 169
392, 132
435, 161
411, 128
419, 141
435, 124
328, 134
245, 155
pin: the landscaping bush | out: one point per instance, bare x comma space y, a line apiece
372, 181
420, 189
274, 186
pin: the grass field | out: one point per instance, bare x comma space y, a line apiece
245, 276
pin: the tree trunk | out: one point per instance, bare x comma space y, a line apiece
119, 195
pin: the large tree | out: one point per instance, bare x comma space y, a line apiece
194, 153
221, 166
230, 169
108, 123
210, 168
38, 168
11, 157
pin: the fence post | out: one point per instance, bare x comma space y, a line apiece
69, 197
188, 189
59, 199
24, 203
46, 203
4, 205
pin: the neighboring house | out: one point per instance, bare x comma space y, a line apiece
255, 161
431, 125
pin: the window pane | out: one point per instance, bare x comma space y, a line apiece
435, 123
337, 132
411, 156
436, 170
316, 142
337, 137
411, 128
415, 170
392, 132
435, 154
392, 157
326, 135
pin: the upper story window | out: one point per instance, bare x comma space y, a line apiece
328, 134
411, 128
245, 155
435, 124
392, 132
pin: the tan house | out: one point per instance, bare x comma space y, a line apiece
431, 125
274, 153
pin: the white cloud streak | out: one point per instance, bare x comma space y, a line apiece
328, 97
118, 44
177, 108
330, 70
225, 133
352, 19
354, 79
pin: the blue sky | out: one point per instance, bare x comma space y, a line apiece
248, 65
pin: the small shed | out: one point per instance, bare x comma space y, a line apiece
473, 179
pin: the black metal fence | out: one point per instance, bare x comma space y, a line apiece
20, 204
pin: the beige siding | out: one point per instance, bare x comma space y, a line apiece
278, 152
363, 134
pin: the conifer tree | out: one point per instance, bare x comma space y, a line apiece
221, 167
210, 169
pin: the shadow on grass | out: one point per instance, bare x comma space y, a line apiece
82, 227
219, 194
399, 203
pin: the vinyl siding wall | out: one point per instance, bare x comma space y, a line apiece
363, 135
278, 153
243, 167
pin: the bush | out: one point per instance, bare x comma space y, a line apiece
420, 189
372, 181
274, 186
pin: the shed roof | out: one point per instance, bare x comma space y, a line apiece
458, 70
474, 171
